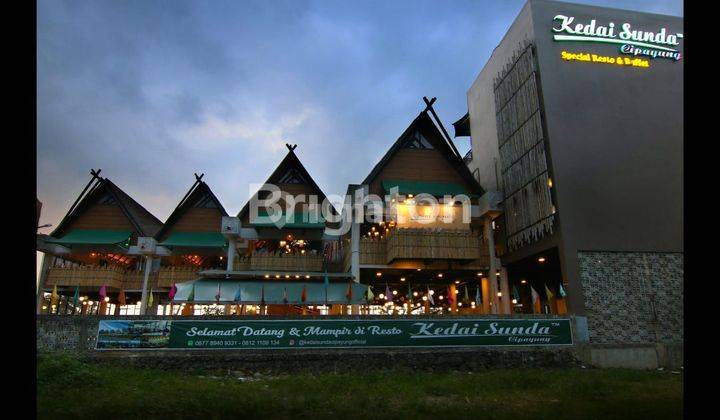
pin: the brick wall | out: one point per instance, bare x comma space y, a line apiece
633, 297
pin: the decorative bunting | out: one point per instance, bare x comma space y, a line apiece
76, 297
478, 296
549, 294
370, 294
285, 295
191, 296
238, 294
172, 292
467, 296
54, 297
150, 299
516, 293
387, 292
430, 297
348, 295
103, 292
562, 291
217, 294
451, 296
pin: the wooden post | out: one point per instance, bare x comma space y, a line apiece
232, 246
485, 296
453, 306
505, 290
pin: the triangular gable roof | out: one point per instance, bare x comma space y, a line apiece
198, 190
144, 222
425, 124
290, 161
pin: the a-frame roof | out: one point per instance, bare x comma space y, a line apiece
144, 222
424, 123
197, 192
290, 161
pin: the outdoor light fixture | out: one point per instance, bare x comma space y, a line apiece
107, 298
523, 281
297, 276
514, 301
550, 182
440, 275
457, 281
499, 294
307, 276
267, 276
431, 292
402, 278
378, 274
441, 298
415, 294
479, 274
424, 298
541, 259
394, 292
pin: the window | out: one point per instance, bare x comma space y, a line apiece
417, 141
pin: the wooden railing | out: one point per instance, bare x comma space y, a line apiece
373, 251
167, 276
86, 276
433, 244
279, 261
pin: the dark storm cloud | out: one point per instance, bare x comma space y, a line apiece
152, 91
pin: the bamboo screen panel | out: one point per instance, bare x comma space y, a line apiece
529, 210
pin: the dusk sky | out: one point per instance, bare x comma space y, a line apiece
152, 91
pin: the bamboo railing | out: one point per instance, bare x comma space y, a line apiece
373, 251
280, 261
167, 276
433, 244
85, 276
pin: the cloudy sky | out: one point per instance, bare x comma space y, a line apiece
152, 91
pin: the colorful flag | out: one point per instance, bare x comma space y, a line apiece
76, 296
535, 295
348, 295
150, 299
562, 291
387, 292
103, 292
430, 297
451, 296
172, 292
285, 295
217, 294
516, 294
121, 298
54, 297
191, 296
549, 294
467, 296
478, 296
238, 294
326, 281
303, 295
370, 294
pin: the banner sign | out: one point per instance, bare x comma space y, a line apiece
330, 333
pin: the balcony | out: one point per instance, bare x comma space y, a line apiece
279, 261
116, 277
86, 276
425, 244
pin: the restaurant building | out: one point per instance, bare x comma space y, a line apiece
569, 203
576, 122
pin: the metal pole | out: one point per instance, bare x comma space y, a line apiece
144, 297
232, 245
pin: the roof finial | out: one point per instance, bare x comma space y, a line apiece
290, 147
198, 177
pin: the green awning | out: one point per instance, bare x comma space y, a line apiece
195, 240
94, 237
296, 220
250, 292
436, 189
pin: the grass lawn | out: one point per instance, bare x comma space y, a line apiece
68, 388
